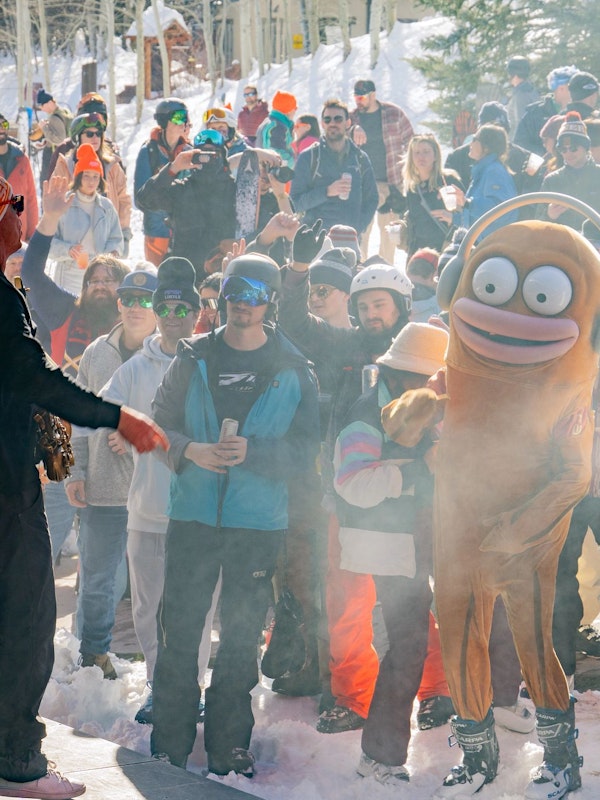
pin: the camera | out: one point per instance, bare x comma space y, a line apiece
282, 174
203, 156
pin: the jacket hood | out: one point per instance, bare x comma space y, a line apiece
151, 349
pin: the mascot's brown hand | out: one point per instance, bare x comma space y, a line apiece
141, 431
406, 419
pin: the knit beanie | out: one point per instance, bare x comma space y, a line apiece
493, 113
345, 236
551, 127
284, 102
334, 268
573, 128
427, 254
87, 161
5, 194
43, 97
176, 279
582, 85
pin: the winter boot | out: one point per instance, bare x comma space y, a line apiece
306, 681
478, 742
559, 771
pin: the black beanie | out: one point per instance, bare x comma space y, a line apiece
43, 97
176, 279
334, 268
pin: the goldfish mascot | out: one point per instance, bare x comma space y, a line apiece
514, 459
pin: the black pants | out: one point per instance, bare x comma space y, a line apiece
27, 621
568, 608
195, 554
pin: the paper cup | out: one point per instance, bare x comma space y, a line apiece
534, 162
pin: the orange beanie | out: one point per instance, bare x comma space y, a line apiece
285, 102
87, 161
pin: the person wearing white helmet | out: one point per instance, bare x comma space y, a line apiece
380, 304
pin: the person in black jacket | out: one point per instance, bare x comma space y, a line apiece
197, 193
27, 599
537, 114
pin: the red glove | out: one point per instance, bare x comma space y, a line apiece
140, 431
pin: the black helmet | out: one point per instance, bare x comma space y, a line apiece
256, 267
167, 107
90, 102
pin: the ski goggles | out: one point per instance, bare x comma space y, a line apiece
17, 201
179, 117
4, 124
209, 137
129, 300
214, 115
246, 290
93, 120
180, 311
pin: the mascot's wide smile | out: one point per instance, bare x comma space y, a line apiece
510, 337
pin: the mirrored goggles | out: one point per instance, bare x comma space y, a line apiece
209, 137
246, 290
179, 117
129, 300
209, 302
214, 115
180, 310
4, 124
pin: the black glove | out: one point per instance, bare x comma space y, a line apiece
308, 242
395, 202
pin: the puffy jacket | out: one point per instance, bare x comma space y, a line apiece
276, 133
19, 174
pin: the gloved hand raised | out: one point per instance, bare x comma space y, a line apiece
141, 431
308, 242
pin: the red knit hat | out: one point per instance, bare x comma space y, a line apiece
284, 102
87, 161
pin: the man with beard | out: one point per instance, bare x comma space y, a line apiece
333, 179
380, 302
15, 167
73, 322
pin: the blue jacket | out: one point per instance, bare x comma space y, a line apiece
491, 184
319, 166
282, 429
276, 133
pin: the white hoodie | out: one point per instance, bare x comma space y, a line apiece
134, 384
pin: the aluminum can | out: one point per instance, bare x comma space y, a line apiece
229, 427
370, 373
348, 177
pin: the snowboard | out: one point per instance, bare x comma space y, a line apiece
247, 195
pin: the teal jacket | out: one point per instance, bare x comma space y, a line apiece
276, 133
282, 429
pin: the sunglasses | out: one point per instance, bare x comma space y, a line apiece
90, 134
322, 292
209, 302
5, 124
179, 117
180, 311
17, 201
129, 300
335, 118
250, 94
573, 148
209, 137
246, 290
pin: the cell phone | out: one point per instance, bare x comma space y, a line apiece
197, 157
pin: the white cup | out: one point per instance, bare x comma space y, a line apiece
346, 176
448, 194
534, 162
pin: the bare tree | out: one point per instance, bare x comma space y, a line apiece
258, 37
245, 37
110, 47
43, 34
164, 56
312, 19
374, 30
208, 42
345, 28
140, 60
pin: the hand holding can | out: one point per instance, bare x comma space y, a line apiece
347, 177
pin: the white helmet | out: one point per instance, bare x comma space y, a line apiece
383, 276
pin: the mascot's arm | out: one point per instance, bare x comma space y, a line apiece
534, 521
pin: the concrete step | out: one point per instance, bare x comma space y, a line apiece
110, 771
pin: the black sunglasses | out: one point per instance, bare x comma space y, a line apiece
209, 302
17, 201
335, 118
322, 292
90, 134
572, 148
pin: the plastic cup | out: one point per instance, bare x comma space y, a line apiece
448, 195
83, 260
534, 162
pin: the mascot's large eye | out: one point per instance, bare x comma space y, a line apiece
547, 290
495, 281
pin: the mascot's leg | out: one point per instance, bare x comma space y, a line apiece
478, 742
559, 772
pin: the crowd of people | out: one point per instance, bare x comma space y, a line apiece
282, 368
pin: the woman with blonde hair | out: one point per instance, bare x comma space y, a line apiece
424, 177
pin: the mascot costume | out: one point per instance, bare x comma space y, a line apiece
514, 459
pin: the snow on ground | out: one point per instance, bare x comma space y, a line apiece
294, 761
